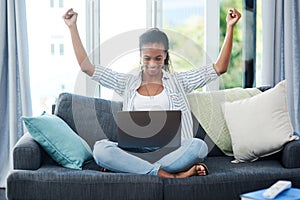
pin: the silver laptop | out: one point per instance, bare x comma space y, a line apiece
149, 129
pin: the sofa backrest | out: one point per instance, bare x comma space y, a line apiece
92, 119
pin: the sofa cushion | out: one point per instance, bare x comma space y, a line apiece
54, 182
59, 140
199, 132
227, 180
206, 106
260, 125
91, 118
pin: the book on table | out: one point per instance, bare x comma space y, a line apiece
289, 194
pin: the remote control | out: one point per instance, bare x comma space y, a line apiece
276, 189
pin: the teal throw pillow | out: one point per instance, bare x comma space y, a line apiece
59, 140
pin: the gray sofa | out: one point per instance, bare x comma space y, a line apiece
37, 176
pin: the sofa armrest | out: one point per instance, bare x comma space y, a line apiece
27, 154
290, 154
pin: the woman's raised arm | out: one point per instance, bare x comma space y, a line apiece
70, 18
223, 59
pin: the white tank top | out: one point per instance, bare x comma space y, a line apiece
157, 102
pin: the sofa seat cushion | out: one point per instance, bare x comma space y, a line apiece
227, 180
55, 182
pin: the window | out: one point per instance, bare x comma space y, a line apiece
52, 49
233, 77
119, 29
259, 42
53, 66
51, 3
61, 3
187, 19
103, 24
61, 49
183, 20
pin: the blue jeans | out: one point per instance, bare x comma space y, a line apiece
108, 155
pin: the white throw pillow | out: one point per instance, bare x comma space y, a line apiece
259, 125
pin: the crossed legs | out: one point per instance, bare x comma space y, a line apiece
183, 162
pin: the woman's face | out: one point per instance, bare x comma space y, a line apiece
152, 57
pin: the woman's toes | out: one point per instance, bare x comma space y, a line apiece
200, 170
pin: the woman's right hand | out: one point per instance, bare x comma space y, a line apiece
70, 17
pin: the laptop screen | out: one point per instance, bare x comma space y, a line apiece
149, 129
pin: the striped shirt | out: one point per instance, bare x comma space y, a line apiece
176, 84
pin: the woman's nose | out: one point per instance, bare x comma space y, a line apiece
152, 63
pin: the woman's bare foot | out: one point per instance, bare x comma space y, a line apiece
196, 170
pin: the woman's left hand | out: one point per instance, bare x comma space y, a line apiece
233, 17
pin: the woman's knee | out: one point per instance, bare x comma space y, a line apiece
199, 146
103, 150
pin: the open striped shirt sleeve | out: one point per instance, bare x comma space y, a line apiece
197, 77
110, 79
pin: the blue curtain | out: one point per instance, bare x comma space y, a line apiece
15, 99
281, 50
294, 75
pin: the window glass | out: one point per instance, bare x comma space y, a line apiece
61, 49
52, 49
128, 17
61, 3
186, 21
51, 3
233, 77
54, 68
52, 63
258, 41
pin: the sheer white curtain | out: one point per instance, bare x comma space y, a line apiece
15, 99
281, 50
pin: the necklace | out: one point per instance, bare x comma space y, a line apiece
155, 93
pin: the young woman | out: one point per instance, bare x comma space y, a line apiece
155, 87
